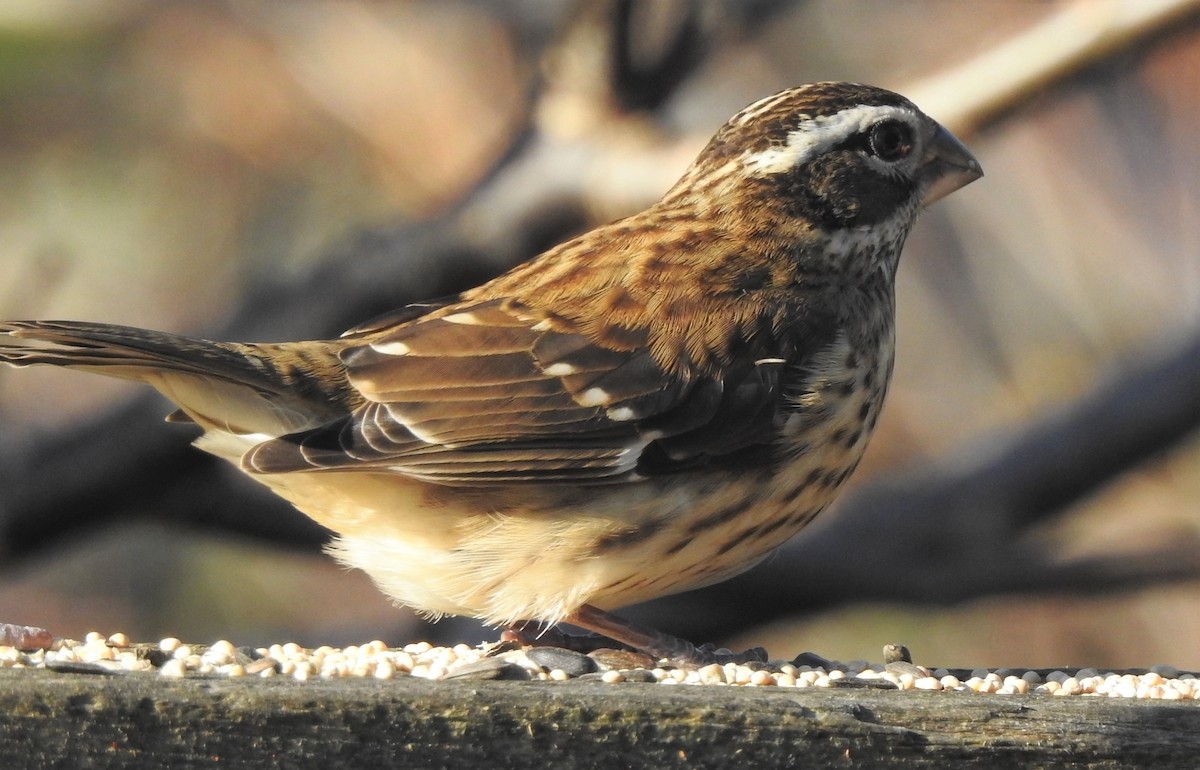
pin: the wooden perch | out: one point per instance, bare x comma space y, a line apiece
64, 720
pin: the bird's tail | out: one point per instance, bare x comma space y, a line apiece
236, 387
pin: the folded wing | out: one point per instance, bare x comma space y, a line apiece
495, 392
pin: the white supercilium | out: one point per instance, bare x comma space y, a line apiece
816, 135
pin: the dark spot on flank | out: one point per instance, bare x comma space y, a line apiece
805, 516
768, 529
679, 546
834, 478
794, 493
736, 540
716, 519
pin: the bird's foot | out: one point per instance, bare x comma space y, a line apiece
528, 634
610, 631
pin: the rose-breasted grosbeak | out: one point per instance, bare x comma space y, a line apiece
650, 407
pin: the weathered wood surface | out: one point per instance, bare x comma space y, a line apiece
68, 720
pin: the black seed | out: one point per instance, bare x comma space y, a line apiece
250, 652
621, 660
571, 662
639, 675
79, 667
893, 653
904, 667
488, 668
156, 656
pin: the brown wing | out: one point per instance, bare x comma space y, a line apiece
496, 392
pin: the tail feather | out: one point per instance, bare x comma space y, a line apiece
120, 351
234, 387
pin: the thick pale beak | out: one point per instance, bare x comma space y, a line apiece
947, 166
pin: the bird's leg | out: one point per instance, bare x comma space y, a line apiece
530, 634
656, 644
609, 630
618, 631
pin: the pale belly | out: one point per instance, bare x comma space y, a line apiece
539, 552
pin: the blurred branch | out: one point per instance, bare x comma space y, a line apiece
948, 531
1083, 33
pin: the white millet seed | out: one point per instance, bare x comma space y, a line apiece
173, 668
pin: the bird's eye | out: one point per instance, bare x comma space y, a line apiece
891, 140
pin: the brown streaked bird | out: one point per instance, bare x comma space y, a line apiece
653, 406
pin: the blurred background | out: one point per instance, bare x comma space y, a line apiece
271, 171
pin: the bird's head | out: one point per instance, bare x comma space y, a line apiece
836, 156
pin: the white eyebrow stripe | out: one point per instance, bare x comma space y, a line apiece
816, 135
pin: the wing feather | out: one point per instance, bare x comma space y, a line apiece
495, 392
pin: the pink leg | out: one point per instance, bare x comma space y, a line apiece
654, 643
609, 630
